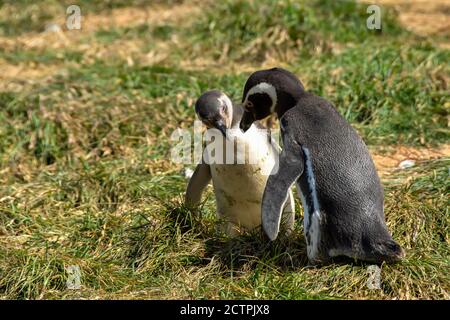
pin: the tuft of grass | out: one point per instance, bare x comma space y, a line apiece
42, 274
252, 30
142, 32
144, 240
47, 57
393, 94
17, 17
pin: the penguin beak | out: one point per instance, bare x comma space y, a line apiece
246, 122
219, 125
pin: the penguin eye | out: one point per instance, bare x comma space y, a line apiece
223, 111
249, 105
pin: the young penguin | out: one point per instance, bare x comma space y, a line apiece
238, 185
339, 187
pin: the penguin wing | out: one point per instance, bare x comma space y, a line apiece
276, 193
198, 182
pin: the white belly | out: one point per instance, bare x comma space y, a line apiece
238, 194
239, 187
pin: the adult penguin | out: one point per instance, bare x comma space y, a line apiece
338, 184
238, 172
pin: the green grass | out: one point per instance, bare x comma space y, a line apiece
27, 16
394, 93
85, 177
143, 32
46, 57
111, 221
254, 29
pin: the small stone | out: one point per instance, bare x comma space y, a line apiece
405, 164
53, 27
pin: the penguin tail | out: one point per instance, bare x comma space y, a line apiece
388, 251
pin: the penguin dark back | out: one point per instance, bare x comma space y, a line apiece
324, 156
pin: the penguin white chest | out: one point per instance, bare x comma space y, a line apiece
239, 185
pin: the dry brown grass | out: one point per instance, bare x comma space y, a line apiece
424, 17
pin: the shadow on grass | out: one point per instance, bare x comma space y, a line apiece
255, 250
251, 250
248, 252
241, 253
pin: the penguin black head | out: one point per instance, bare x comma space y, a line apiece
215, 110
268, 91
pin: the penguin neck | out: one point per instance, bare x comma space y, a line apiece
288, 100
238, 111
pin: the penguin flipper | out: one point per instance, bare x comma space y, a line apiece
277, 191
197, 183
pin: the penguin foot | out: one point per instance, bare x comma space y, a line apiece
388, 251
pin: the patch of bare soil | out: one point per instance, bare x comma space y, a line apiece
389, 159
423, 17
154, 15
